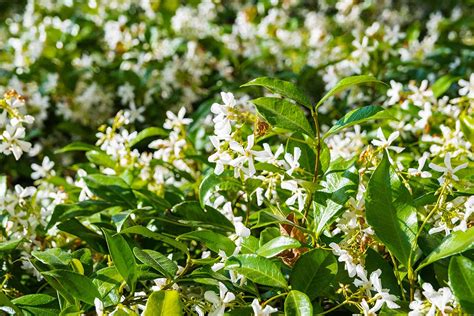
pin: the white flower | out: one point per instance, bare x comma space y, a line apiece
219, 302
382, 294
418, 172
298, 193
371, 311
99, 307
467, 87
267, 156
439, 299
245, 156
221, 157
448, 170
385, 143
259, 311
41, 171
292, 160
222, 120
175, 122
394, 92
344, 256
362, 50
12, 141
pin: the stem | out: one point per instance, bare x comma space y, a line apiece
411, 272
273, 298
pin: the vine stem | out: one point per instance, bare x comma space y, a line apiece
314, 114
411, 272
273, 298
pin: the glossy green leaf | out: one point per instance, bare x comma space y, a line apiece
77, 285
340, 185
157, 261
347, 83
314, 272
461, 279
283, 114
164, 303
63, 212
122, 257
141, 230
106, 280
54, 257
94, 240
147, 133
76, 146
100, 158
467, 126
10, 245
112, 189
298, 304
442, 85
211, 183
212, 240
257, 269
284, 88
390, 212
38, 304
277, 245
357, 116
455, 243
192, 212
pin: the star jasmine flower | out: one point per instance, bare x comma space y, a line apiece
220, 301
344, 256
267, 156
418, 172
41, 171
222, 119
467, 87
298, 193
368, 311
221, 157
447, 170
245, 157
292, 160
394, 92
259, 311
382, 294
385, 143
99, 307
175, 122
12, 141
439, 299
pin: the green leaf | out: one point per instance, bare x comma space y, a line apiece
257, 269
100, 158
157, 261
54, 257
346, 83
455, 243
212, 240
5, 302
340, 186
77, 285
461, 279
283, 114
467, 126
106, 280
357, 116
38, 304
63, 212
277, 245
211, 183
390, 212
314, 272
442, 84
164, 303
77, 146
9, 245
113, 189
122, 257
146, 133
141, 230
284, 88
192, 212
298, 304
94, 240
